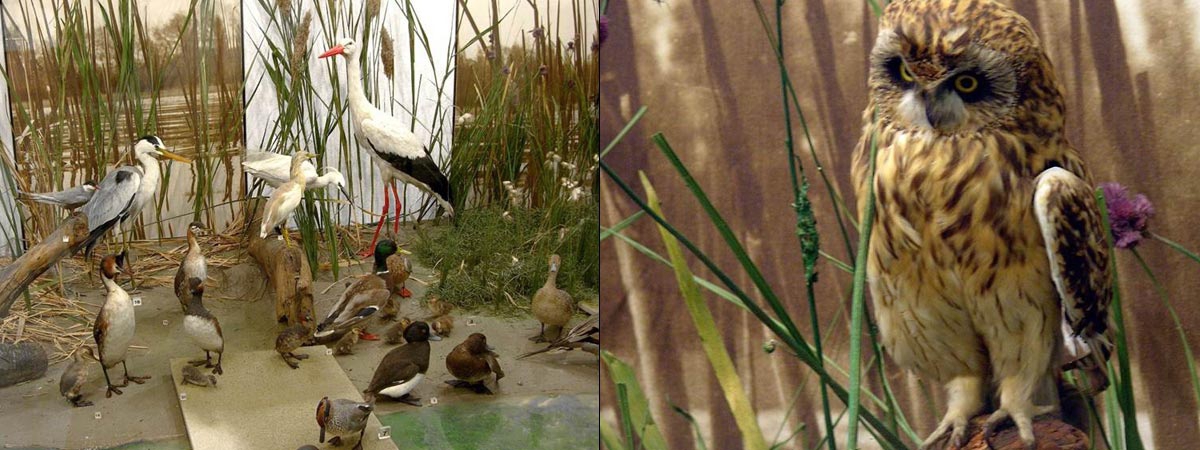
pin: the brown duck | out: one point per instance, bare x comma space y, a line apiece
403, 368
115, 324
399, 268
552, 306
472, 362
194, 265
75, 376
292, 338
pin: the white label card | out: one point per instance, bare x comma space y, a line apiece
433, 400
328, 351
165, 322
182, 396
385, 433
97, 415
137, 301
66, 239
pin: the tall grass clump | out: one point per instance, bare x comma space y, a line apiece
525, 148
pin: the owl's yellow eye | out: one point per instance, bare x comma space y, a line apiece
905, 74
966, 84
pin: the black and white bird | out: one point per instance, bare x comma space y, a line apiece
67, 199
123, 193
397, 152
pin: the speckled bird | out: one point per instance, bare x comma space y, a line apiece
987, 258
343, 418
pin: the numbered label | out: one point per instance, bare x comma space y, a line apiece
385, 433
329, 351
66, 239
182, 396
97, 415
433, 400
165, 322
137, 301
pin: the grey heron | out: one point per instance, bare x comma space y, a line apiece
397, 152
68, 198
125, 191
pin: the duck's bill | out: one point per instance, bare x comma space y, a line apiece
434, 337
173, 156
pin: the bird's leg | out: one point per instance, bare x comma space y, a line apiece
79, 402
286, 240
541, 336
399, 210
287, 358
361, 432
138, 380
207, 361
370, 250
481, 388
1016, 403
409, 399
300, 356
965, 398
217, 370
112, 389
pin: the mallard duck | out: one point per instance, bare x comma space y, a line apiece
194, 265
472, 362
75, 376
584, 336
361, 299
292, 338
345, 345
343, 418
399, 268
203, 328
115, 324
552, 306
285, 199
395, 334
403, 368
193, 375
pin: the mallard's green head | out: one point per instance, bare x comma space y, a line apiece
383, 250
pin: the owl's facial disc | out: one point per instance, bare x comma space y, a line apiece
932, 106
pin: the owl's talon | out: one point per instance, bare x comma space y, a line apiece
1024, 423
957, 427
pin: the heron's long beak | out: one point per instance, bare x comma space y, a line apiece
336, 50
167, 154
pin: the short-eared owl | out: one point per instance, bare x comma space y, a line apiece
987, 268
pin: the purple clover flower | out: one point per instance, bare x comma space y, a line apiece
1127, 214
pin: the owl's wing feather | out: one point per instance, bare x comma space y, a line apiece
1073, 231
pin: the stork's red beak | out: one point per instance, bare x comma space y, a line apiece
336, 50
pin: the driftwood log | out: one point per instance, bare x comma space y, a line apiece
15, 277
20, 362
1051, 434
287, 270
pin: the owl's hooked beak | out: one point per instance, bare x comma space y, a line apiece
944, 109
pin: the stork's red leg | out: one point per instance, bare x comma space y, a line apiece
399, 209
370, 250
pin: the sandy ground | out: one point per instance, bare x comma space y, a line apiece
33, 414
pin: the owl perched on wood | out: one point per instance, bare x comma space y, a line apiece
988, 267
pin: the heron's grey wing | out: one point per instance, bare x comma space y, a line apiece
111, 201
1073, 231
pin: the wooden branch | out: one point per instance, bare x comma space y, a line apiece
1051, 434
287, 270
15, 277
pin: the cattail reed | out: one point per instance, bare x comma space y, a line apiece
283, 6
372, 10
300, 45
389, 58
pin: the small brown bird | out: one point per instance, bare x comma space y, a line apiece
345, 345
203, 328
395, 334
194, 265
472, 362
439, 307
292, 338
584, 336
343, 418
75, 376
398, 270
553, 307
403, 368
193, 375
443, 325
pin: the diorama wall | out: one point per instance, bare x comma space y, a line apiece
708, 75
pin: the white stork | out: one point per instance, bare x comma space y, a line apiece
124, 191
397, 152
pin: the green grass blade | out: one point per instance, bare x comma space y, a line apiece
610, 438
1124, 384
700, 445
1187, 349
857, 303
623, 224
1177, 246
639, 408
620, 135
710, 338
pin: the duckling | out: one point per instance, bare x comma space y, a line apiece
342, 418
203, 328
193, 375
398, 270
395, 334
361, 299
553, 307
443, 325
194, 265
403, 368
438, 307
292, 338
75, 376
472, 362
345, 345
285, 198
584, 336
115, 324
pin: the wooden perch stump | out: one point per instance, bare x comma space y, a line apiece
15, 277
1051, 434
287, 270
